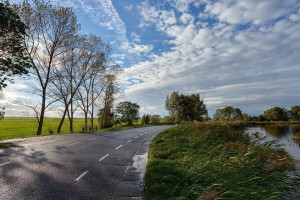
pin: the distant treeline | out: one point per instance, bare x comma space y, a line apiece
191, 108
272, 114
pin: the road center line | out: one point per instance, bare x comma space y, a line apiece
73, 144
79, 177
43, 152
93, 138
119, 146
4, 163
103, 157
129, 141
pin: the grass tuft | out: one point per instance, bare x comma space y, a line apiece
217, 161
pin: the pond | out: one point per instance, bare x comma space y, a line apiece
288, 135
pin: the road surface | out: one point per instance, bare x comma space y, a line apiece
105, 165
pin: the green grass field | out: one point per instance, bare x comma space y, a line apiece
11, 128
27, 127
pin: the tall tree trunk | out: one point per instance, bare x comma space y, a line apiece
92, 113
92, 117
62, 120
41, 121
71, 119
86, 120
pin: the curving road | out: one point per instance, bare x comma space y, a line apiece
102, 165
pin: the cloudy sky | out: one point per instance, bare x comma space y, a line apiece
237, 53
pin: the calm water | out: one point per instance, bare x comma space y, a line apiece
281, 133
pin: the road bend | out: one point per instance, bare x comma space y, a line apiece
100, 165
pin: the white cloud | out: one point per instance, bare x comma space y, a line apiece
182, 5
119, 62
142, 48
119, 56
151, 15
244, 11
135, 37
296, 16
129, 7
186, 18
136, 48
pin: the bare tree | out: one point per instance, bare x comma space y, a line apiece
89, 92
79, 63
49, 27
93, 87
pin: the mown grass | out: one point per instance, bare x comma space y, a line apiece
11, 128
216, 161
26, 127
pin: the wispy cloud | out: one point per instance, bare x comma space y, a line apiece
129, 7
104, 14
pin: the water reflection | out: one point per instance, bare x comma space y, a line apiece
278, 131
288, 135
139, 164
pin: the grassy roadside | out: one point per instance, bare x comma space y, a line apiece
215, 161
11, 128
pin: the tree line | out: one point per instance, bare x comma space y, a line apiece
272, 114
279, 114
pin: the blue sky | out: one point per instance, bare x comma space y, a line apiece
237, 53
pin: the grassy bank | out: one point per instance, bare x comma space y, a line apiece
272, 122
214, 161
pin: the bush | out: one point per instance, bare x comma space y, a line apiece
155, 119
50, 130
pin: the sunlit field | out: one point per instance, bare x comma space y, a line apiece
27, 127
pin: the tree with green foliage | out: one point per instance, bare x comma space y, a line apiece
13, 58
155, 119
276, 114
128, 112
259, 118
185, 107
2, 113
171, 103
295, 113
169, 119
228, 113
146, 119
106, 114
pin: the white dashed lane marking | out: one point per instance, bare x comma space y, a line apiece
82, 175
119, 146
43, 152
4, 164
103, 157
73, 144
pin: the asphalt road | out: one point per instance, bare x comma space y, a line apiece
103, 165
